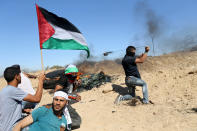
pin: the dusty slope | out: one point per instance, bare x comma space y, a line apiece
172, 87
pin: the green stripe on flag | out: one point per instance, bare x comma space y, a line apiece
53, 43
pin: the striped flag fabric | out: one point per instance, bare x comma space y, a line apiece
58, 33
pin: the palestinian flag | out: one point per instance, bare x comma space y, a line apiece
58, 33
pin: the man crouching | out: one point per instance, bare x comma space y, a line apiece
47, 118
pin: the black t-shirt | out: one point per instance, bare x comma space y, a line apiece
130, 67
64, 82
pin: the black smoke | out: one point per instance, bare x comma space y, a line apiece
153, 22
159, 33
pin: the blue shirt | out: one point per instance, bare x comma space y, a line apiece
45, 120
10, 107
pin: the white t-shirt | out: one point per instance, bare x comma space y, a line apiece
26, 85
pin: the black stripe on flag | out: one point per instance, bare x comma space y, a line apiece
58, 21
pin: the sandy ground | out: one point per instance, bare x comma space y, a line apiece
172, 85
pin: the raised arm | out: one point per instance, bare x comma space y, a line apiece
23, 123
143, 57
37, 97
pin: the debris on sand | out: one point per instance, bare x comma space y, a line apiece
192, 72
106, 91
134, 102
88, 81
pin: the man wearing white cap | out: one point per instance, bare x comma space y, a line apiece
47, 118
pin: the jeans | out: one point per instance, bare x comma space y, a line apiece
28, 105
131, 82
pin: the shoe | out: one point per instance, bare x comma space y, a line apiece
145, 101
118, 99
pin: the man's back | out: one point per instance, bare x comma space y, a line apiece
11, 108
130, 66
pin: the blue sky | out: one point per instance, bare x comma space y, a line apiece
107, 25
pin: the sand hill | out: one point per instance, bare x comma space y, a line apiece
172, 85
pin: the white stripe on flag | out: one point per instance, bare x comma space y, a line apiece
67, 35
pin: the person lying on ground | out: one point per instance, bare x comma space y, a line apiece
133, 77
47, 118
69, 82
11, 98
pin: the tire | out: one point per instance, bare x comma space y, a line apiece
55, 73
50, 84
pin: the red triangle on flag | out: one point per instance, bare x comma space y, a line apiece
45, 29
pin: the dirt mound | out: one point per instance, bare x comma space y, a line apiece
171, 81
174, 60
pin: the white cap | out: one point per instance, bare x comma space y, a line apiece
61, 94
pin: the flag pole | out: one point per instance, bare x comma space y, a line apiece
42, 59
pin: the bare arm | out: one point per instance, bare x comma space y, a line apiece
143, 57
37, 97
23, 123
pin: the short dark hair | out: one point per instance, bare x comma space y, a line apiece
11, 72
129, 48
16, 66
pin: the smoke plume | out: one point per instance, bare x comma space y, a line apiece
153, 22
158, 31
